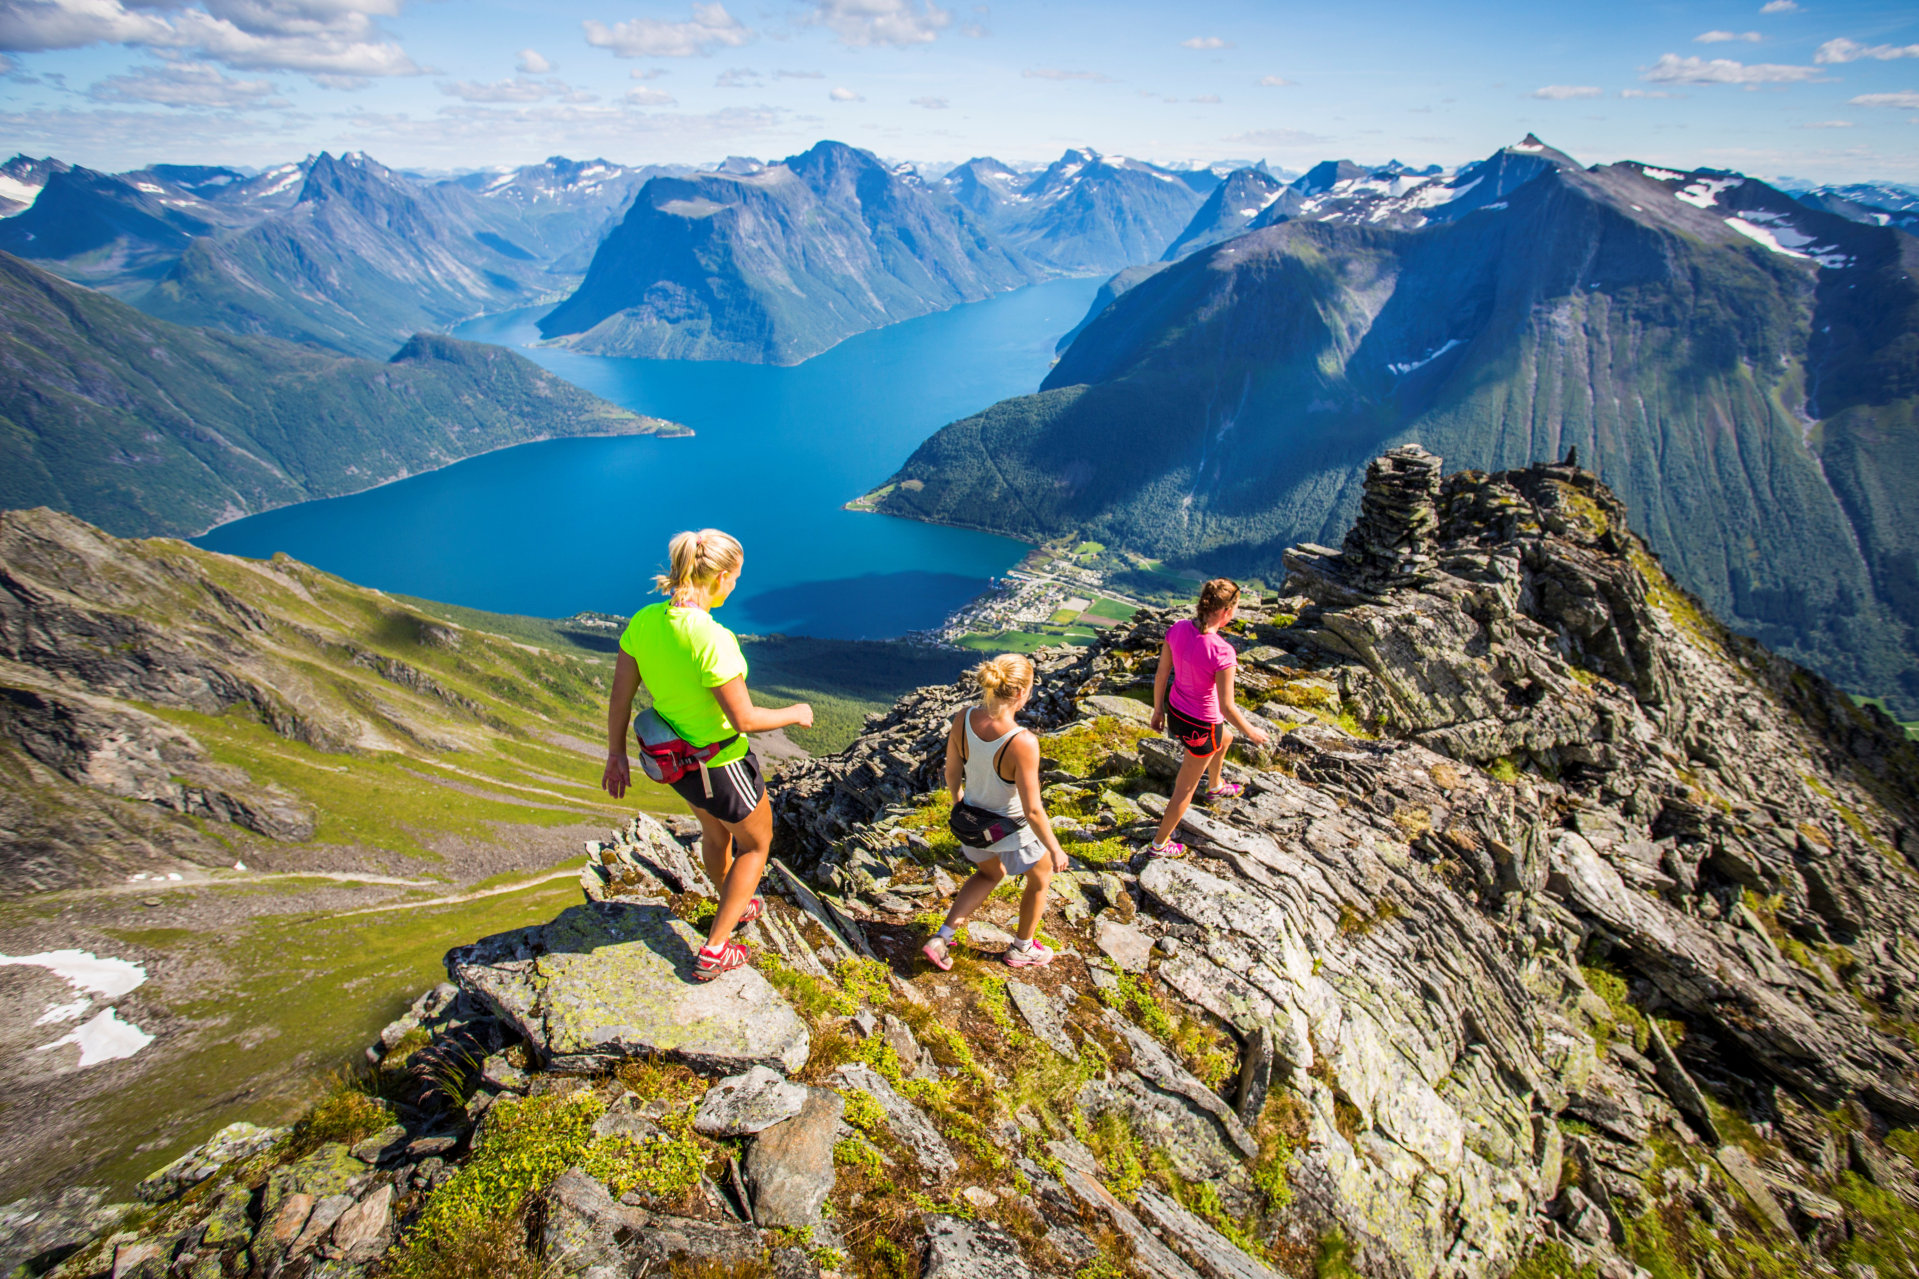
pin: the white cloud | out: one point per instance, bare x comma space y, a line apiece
737, 78
932, 104
1904, 98
799, 75
532, 63
1274, 82
1211, 99
840, 93
1649, 93
1673, 69
1055, 73
1779, 6
1727, 37
1206, 42
640, 96
1844, 50
1565, 92
647, 73
1827, 124
185, 84
711, 27
861, 23
317, 37
1279, 138
518, 89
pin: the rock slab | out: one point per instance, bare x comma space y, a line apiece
960, 1249
606, 981
743, 1104
789, 1170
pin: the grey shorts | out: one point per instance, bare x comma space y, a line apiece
1017, 853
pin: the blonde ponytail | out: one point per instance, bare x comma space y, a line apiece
1003, 679
1215, 598
696, 561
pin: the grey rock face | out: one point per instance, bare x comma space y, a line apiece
235, 1141
748, 1103
960, 1249
606, 981
907, 1122
789, 1170
1124, 944
1043, 1015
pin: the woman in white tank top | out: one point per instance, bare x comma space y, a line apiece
993, 763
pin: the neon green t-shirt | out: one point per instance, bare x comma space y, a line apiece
683, 655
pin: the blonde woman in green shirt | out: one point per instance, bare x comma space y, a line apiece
696, 673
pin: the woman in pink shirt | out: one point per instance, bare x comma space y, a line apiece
1194, 691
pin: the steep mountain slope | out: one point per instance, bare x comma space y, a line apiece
779, 264
1742, 368
1878, 204
147, 427
1239, 198
21, 179
364, 258
1084, 212
116, 231
558, 210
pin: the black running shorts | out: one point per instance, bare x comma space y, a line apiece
1198, 736
737, 788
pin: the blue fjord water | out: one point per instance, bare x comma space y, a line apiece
552, 528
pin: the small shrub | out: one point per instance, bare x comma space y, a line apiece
346, 1114
667, 1166
529, 1142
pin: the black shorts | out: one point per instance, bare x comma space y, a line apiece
737, 788
1199, 737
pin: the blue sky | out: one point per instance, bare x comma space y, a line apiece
1824, 89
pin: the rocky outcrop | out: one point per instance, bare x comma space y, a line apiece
1544, 867
608, 981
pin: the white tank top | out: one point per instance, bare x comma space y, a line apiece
985, 788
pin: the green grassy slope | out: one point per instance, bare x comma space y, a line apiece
415, 738
145, 427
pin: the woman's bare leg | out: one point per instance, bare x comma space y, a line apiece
1218, 760
977, 888
716, 847
752, 840
1033, 900
1183, 787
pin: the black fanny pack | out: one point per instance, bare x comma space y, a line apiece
978, 827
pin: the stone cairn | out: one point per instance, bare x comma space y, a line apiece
1391, 542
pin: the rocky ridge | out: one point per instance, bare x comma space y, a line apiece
1558, 930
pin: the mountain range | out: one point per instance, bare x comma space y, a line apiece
1744, 368
146, 427
778, 264
1084, 212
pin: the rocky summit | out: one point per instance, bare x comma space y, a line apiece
1558, 931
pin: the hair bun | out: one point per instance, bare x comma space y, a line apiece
1004, 678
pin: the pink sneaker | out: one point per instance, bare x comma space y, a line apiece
936, 955
1171, 848
1033, 956
1227, 790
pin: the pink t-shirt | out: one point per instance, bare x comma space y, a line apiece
1198, 658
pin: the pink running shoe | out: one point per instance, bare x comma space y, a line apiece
1226, 790
1033, 956
1171, 848
936, 955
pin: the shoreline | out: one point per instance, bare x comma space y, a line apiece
681, 431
